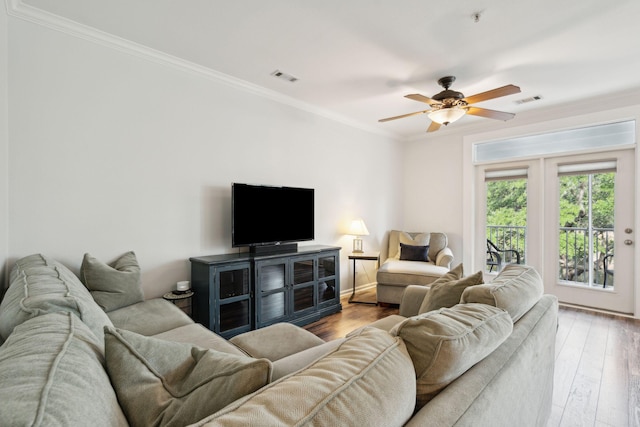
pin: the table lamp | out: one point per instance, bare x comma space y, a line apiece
357, 229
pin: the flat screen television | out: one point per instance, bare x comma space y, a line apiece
266, 215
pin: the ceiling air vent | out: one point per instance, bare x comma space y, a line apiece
529, 99
288, 77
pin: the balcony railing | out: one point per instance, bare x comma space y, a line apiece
511, 237
574, 252
575, 247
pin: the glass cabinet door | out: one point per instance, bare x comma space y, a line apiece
271, 291
303, 284
233, 314
327, 266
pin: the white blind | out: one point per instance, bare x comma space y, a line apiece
504, 174
586, 168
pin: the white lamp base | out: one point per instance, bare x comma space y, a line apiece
357, 246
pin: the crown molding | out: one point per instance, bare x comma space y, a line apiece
17, 9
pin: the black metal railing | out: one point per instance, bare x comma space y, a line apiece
574, 263
574, 251
508, 239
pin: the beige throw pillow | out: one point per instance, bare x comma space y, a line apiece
446, 291
113, 286
167, 383
516, 289
445, 343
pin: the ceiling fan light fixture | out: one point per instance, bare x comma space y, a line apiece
447, 115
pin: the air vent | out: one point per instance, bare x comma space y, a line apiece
284, 76
530, 99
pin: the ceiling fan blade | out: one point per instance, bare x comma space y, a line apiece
403, 116
490, 114
422, 98
491, 94
434, 126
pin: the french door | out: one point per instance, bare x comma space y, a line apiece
570, 217
589, 225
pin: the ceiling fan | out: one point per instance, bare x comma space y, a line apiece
450, 105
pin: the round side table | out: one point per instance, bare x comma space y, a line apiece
182, 300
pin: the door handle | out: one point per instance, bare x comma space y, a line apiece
628, 242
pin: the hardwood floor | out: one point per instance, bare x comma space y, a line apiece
597, 372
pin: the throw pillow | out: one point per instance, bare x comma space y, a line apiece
113, 286
413, 253
166, 383
445, 343
516, 289
447, 290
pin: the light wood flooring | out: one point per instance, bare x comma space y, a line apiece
597, 372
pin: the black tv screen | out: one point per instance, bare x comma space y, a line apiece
266, 215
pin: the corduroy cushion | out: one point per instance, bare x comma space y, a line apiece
366, 381
41, 285
447, 290
445, 343
52, 374
516, 289
163, 383
113, 286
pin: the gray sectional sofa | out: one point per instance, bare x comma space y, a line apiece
73, 356
403, 263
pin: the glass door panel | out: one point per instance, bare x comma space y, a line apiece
506, 219
586, 230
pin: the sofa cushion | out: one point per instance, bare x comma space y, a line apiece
276, 341
516, 289
404, 273
174, 384
367, 380
149, 317
198, 335
41, 285
413, 252
113, 286
52, 374
444, 343
447, 290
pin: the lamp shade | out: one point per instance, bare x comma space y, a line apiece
447, 115
358, 228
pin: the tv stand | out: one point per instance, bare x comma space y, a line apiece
235, 293
273, 249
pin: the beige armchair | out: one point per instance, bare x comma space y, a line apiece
400, 269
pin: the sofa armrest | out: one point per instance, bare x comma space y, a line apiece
444, 258
412, 300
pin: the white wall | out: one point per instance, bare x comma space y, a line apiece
4, 149
433, 188
110, 152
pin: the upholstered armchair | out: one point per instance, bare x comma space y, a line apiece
411, 259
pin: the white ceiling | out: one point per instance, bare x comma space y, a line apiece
358, 58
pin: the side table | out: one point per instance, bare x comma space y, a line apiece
362, 257
182, 300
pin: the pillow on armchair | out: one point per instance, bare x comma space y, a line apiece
413, 252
